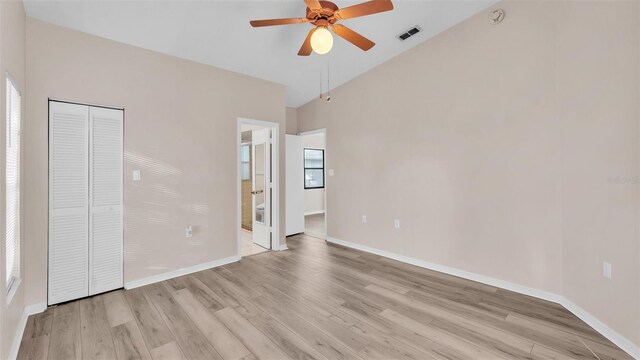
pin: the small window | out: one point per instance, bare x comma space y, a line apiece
313, 168
12, 173
245, 161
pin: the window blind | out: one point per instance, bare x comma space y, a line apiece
12, 169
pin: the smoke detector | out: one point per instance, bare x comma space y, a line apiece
496, 16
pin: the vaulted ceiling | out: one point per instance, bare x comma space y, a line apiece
218, 33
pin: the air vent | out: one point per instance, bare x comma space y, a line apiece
409, 33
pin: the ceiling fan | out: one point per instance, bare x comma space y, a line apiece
324, 15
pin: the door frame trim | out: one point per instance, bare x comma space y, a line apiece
275, 175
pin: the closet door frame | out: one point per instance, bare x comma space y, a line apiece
50, 100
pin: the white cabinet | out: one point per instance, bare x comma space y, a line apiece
85, 201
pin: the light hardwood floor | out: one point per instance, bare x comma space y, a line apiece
315, 301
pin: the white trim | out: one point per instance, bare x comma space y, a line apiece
184, 271
17, 339
275, 183
13, 288
313, 212
622, 342
281, 247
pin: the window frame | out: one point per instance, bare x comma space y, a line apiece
13, 278
305, 168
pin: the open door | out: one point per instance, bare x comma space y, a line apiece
261, 187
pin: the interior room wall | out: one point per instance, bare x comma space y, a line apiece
313, 198
291, 115
12, 61
598, 97
180, 131
498, 147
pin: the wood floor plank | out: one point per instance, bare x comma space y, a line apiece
259, 344
151, 325
38, 325
168, 351
96, 334
118, 311
450, 340
65, 341
192, 342
288, 341
204, 294
128, 342
229, 347
34, 348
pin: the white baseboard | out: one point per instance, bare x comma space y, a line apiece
184, 271
280, 247
314, 212
622, 342
17, 338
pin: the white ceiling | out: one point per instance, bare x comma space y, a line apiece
218, 33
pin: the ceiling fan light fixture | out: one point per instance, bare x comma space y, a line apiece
321, 40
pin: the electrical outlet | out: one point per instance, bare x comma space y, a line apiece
189, 232
136, 175
396, 223
364, 219
606, 270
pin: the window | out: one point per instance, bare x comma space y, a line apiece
245, 162
12, 172
313, 168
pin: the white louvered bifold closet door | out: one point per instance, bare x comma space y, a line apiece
68, 202
105, 192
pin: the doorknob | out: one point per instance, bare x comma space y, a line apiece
256, 192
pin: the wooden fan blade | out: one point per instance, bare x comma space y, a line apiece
353, 37
305, 49
366, 8
273, 22
313, 4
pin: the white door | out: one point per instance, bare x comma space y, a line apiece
68, 202
295, 185
261, 187
105, 199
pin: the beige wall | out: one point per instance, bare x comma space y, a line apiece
12, 61
292, 121
598, 95
493, 145
180, 131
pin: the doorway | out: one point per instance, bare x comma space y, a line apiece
314, 146
257, 186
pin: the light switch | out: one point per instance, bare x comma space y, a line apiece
331, 172
136, 175
364, 219
189, 232
606, 270
396, 223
